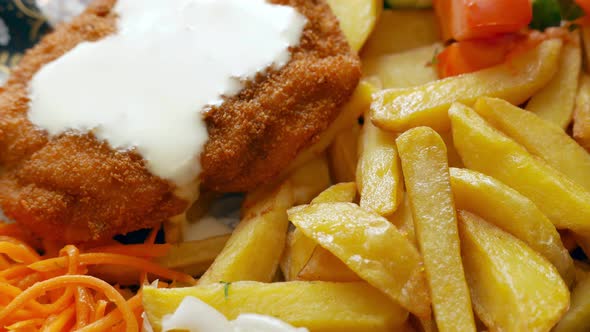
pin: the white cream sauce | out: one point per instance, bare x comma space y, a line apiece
194, 315
147, 86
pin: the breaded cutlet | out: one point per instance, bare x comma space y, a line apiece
74, 188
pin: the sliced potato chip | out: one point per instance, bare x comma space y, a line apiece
512, 212
555, 101
426, 173
371, 246
318, 306
379, 175
540, 137
513, 288
427, 105
254, 248
485, 149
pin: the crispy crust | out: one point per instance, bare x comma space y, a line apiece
75, 188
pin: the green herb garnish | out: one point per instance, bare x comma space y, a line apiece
225, 288
546, 13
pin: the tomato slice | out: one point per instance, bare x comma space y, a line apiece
476, 19
472, 55
585, 4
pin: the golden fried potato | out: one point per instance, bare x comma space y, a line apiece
486, 150
403, 220
343, 154
539, 137
254, 248
357, 19
426, 173
194, 257
300, 248
318, 306
513, 288
555, 101
358, 104
577, 317
512, 212
427, 105
371, 247
324, 266
310, 179
379, 174
581, 128
401, 30
405, 69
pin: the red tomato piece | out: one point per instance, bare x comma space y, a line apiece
585, 4
477, 19
473, 55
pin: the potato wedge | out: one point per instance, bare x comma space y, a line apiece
300, 248
582, 113
426, 173
358, 104
555, 101
405, 69
427, 105
539, 137
486, 150
258, 241
310, 179
371, 246
512, 212
513, 288
401, 30
577, 317
379, 171
319, 306
357, 19
343, 154
194, 257
324, 266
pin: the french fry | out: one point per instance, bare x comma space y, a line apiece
357, 19
194, 257
254, 248
371, 247
452, 154
427, 105
486, 150
539, 137
379, 175
426, 173
405, 69
555, 101
581, 128
343, 154
324, 266
577, 317
300, 248
512, 212
402, 30
358, 104
310, 179
403, 220
319, 306
513, 288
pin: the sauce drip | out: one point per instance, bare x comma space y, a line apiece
145, 88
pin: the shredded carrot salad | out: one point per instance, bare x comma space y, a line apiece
52, 288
